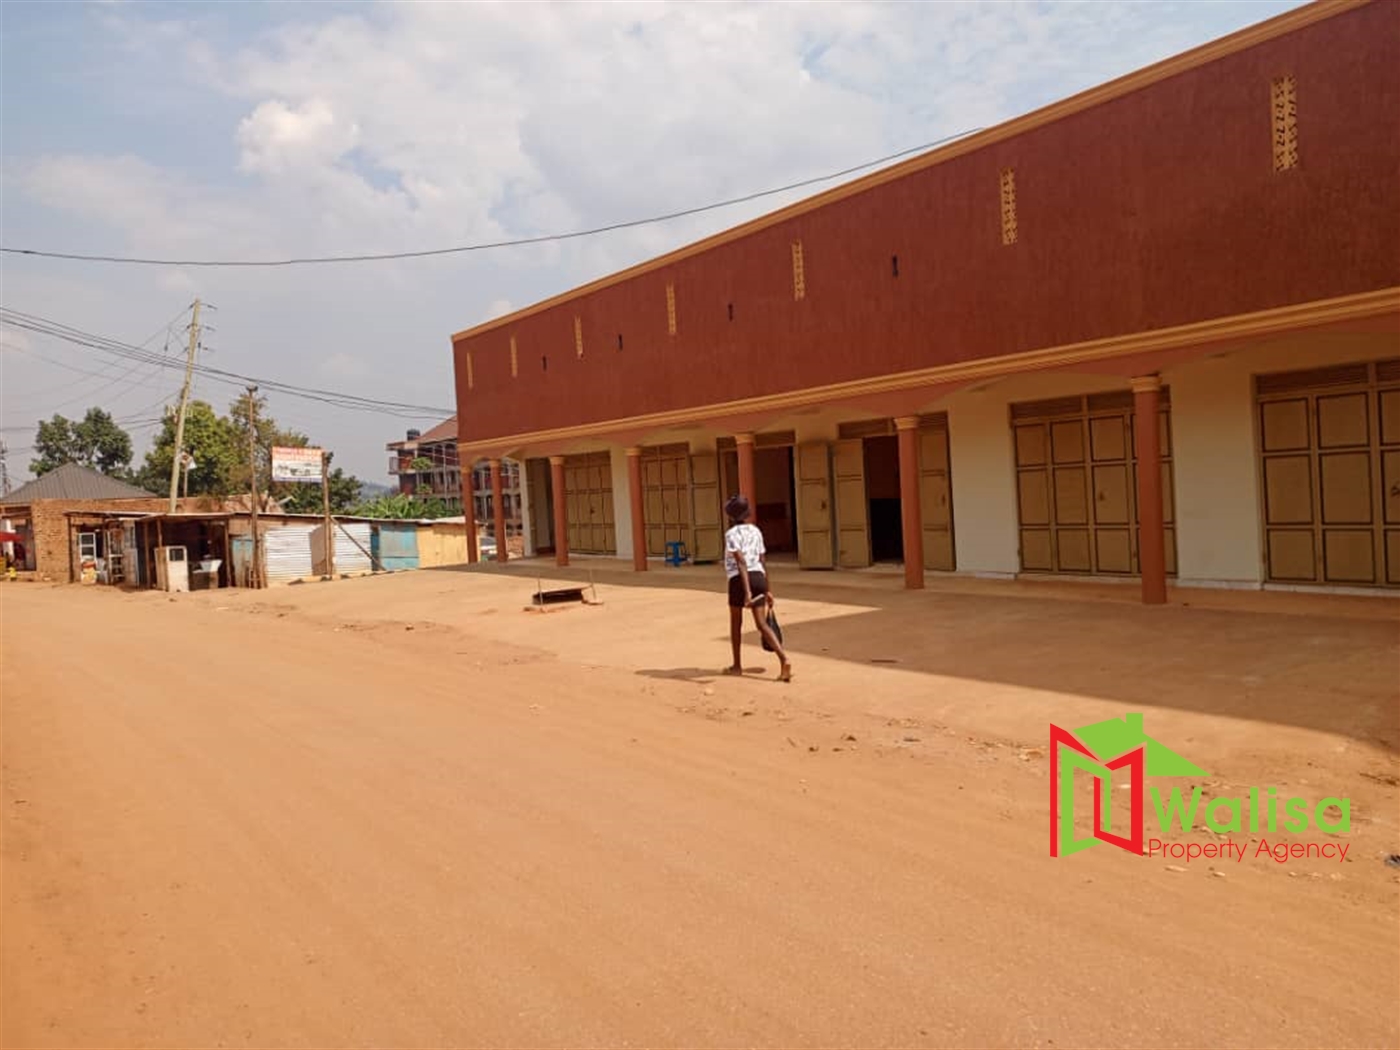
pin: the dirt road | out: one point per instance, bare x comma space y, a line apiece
311, 820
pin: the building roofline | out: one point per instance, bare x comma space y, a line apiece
1241, 40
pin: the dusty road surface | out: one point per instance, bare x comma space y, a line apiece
402, 811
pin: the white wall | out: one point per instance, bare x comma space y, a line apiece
983, 467
1215, 480
526, 532
622, 502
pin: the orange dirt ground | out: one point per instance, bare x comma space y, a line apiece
402, 811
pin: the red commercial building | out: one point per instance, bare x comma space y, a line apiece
1151, 331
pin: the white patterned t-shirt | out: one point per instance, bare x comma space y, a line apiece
746, 541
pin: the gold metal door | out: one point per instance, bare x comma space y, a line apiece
852, 510
1076, 479
936, 495
707, 530
816, 543
1329, 464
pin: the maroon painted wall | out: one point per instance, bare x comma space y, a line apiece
1155, 209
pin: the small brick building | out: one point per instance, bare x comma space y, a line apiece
50, 513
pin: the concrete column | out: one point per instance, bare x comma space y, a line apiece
469, 510
1152, 537
561, 511
747, 473
910, 508
499, 506
634, 486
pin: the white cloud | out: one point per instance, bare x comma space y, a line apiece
276, 138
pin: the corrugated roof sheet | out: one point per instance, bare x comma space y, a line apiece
71, 481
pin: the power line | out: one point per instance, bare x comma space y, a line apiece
106, 371
104, 344
487, 246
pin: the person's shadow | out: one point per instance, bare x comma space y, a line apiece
701, 675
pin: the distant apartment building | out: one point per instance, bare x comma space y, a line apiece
427, 467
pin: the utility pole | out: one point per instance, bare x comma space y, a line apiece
326, 509
178, 452
4, 470
255, 570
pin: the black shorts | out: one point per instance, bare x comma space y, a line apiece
758, 584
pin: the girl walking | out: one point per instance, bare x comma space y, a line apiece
748, 584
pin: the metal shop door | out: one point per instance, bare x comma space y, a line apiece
1076, 479
666, 499
1329, 452
588, 494
707, 528
936, 492
815, 539
852, 510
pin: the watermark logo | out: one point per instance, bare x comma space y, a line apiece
1120, 744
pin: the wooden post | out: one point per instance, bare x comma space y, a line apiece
178, 451
326, 510
561, 511
228, 553
747, 473
911, 512
255, 569
499, 505
639, 524
1152, 539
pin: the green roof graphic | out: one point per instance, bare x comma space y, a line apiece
1113, 737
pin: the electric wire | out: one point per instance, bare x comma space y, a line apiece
68, 333
491, 245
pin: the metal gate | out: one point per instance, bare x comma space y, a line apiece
1076, 480
1329, 465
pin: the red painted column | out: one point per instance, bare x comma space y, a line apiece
1152, 536
634, 482
499, 505
561, 511
910, 508
747, 482
469, 505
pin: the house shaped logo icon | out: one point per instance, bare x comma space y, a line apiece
1099, 750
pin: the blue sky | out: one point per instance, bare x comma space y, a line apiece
266, 130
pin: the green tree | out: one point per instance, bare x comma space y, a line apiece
213, 443
95, 442
399, 506
305, 498
269, 434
